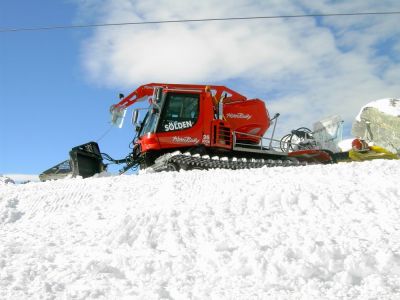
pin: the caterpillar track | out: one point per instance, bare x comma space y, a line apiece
176, 161
87, 160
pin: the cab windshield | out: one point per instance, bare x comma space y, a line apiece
149, 122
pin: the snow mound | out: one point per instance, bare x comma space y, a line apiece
5, 180
315, 232
22, 178
389, 106
345, 145
379, 122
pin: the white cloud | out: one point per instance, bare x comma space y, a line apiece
307, 69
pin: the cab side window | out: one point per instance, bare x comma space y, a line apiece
180, 112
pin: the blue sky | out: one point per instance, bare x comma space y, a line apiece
56, 86
47, 104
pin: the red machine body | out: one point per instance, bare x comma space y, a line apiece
192, 115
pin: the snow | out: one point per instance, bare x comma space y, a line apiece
6, 180
390, 106
345, 145
311, 232
22, 178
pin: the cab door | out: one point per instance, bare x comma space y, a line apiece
180, 124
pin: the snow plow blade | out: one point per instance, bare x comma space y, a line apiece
85, 160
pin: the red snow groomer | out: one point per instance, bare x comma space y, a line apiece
195, 127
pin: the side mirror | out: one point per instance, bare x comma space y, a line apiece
135, 116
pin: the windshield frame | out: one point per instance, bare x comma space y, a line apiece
152, 117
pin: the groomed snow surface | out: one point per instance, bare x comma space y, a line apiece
314, 232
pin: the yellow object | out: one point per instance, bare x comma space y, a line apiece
374, 152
